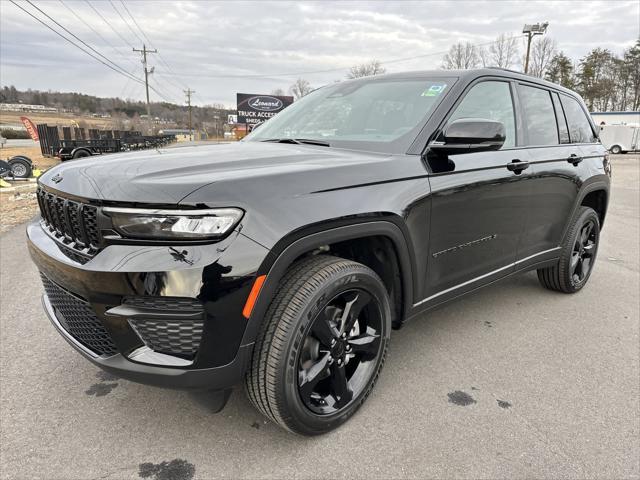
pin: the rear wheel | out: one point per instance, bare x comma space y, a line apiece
81, 154
578, 255
616, 149
322, 345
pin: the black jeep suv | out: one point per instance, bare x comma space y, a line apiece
286, 259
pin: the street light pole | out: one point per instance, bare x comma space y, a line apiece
531, 30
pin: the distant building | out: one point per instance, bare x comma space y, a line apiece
182, 134
23, 107
616, 118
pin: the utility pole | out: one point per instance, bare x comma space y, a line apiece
188, 92
147, 71
531, 31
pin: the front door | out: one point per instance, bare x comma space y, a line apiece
479, 202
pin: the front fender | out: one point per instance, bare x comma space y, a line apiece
292, 246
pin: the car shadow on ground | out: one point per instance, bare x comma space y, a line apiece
467, 313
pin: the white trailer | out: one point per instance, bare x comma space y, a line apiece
620, 138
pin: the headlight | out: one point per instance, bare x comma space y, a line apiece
173, 224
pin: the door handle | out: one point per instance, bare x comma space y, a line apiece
574, 159
517, 166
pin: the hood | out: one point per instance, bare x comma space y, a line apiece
169, 175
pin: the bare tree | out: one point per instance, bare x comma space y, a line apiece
374, 67
503, 52
542, 51
278, 92
300, 88
461, 56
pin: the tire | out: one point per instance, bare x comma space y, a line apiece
20, 167
577, 257
81, 154
291, 345
616, 149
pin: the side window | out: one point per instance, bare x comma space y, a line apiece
579, 127
540, 117
492, 101
562, 121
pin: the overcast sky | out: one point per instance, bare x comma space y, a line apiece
220, 48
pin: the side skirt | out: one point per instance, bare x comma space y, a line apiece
432, 303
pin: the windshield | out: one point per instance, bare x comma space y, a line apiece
382, 115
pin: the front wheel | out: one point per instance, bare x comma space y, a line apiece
577, 257
322, 345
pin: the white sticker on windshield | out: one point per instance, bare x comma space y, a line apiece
434, 90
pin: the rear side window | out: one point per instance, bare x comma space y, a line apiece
579, 126
540, 116
492, 101
562, 121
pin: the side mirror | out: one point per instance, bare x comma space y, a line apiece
467, 135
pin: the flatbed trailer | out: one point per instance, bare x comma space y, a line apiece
85, 148
89, 142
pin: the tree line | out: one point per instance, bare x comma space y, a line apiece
606, 81
124, 113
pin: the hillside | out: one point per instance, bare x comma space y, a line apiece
123, 113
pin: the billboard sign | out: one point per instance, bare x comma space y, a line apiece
254, 109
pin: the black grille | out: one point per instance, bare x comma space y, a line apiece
75, 224
79, 320
165, 303
171, 336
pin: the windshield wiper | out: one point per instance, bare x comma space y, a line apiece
298, 141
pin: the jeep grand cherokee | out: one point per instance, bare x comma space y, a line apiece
286, 259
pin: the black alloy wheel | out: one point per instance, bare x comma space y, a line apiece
577, 254
321, 346
339, 351
583, 253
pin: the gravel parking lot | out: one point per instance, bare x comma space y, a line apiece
513, 381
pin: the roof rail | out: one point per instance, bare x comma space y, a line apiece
506, 70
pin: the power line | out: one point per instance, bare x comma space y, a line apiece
125, 22
77, 15
79, 39
121, 72
118, 70
161, 93
156, 90
179, 87
109, 24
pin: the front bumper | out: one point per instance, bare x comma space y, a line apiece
191, 296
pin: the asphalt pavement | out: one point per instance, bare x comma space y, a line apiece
511, 382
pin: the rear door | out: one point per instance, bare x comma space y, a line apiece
556, 151
478, 204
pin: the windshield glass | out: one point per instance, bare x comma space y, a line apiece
382, 115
